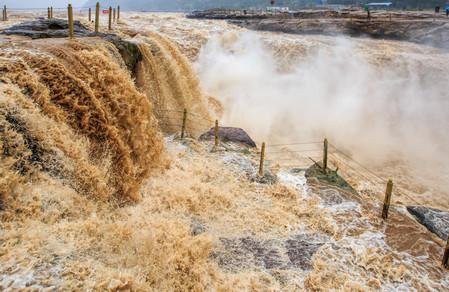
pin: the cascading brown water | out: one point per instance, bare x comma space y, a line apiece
166, 77
80, 86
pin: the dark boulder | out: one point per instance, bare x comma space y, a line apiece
229, 134
435, 220
47, 28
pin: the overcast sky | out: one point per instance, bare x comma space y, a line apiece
40, 3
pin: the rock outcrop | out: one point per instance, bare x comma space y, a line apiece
229, 134
47, 28
435, 220
271, 254
407, 26
58, 28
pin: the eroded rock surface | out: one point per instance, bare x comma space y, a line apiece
229, 134
289, 253
47, 28
435, 220
42, 28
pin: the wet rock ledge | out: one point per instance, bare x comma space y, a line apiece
434, 220
42, 28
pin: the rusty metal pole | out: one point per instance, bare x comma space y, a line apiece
216, 132
325, 155
387, 199
184, 120
70, 16
446, 255
90, 14
262, 158
110, 18
97, 17
118, 12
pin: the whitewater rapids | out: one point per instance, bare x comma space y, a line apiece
200, 222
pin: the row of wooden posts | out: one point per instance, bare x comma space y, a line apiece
113, 13
388, 191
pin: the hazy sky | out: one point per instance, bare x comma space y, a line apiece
41, 3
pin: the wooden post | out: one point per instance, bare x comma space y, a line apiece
446, 255
90, 14
110, 18
51, 11
113, 15
325, 155
70, 14
97, 17
216, 132
118, 13
184, 119
262, 158
48, 13
5, 14
387, 199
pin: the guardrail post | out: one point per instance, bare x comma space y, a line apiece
262, 158
387, 199
97, 17
70, 12
90, 14
446, 255
184, 119
110, 18
216, 133
325, 147
118, 12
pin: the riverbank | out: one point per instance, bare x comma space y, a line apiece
419, 27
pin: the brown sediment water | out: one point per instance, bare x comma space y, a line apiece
166, 77
79, 84
73, 124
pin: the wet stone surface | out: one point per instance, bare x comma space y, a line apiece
47, 28
42, 28
229, 134
289, 253
435, 220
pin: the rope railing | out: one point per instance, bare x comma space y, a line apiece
293, 156
378, 180
184, 121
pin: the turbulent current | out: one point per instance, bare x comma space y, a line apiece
97, 191
384, 102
